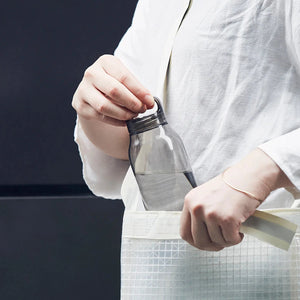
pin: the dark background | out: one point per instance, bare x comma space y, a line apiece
57, 241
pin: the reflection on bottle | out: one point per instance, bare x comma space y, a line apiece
165, 191
190, 177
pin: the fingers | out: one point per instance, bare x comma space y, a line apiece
223, 230
90, 104
231, 233
113, 67
195, 232
89, 113
112, 91
202, 238
185, 226
215, 233
116, 92
105, 106
206, 234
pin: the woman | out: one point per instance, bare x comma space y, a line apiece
229, 75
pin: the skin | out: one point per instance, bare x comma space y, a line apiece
109, 94
213, 212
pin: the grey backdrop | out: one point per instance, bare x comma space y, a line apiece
57, 241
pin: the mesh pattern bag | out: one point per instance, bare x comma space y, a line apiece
157, 264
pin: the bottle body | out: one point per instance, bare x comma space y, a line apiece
161, 167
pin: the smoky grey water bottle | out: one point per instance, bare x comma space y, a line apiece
159, 162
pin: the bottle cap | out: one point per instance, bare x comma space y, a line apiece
148, 122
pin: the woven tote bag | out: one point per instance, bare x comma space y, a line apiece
157, 264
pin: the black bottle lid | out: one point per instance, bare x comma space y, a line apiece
142, 124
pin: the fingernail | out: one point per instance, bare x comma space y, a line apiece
149, 101
143, 108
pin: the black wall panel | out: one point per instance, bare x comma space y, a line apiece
57, 240
45, 48
63, 248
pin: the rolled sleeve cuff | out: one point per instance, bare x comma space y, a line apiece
103, 174
285, 151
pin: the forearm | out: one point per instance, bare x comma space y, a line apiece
112, 140
258, 174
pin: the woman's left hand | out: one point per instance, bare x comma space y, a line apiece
213, 212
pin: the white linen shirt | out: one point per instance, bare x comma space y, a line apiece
232, 84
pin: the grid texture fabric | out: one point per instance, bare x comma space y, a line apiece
172, 269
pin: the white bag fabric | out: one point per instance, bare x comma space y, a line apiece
157, 267
157, 264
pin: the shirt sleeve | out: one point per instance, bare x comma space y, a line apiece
103, 174
136, 50
292, 32
285, 151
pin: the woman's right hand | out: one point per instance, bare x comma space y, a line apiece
110, 93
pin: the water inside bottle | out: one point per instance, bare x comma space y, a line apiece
165, 191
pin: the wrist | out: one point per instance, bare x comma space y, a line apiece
273, 173
258, 174
263, 169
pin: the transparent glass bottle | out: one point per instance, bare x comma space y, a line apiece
159, 162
